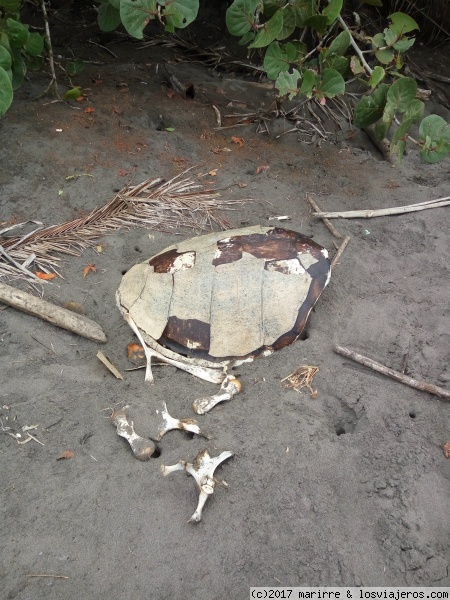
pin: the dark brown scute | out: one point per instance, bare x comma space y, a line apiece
162, 263
187, 332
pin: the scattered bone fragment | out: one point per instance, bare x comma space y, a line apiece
202, 470
229, 388
108, 364
142, 448
167, 423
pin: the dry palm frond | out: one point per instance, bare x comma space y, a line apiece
155, 203
302, 377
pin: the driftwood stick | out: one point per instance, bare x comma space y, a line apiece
52, 313
340, 251
328, 224
418, 385
396, 210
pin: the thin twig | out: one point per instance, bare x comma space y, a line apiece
414, 383
339, 253
396, 210
53, 82
48, 575
328, 224
355, 46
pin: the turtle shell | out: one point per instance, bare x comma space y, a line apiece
226, 295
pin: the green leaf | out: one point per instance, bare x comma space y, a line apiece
402, 92
240, 16
378, 40
35, 63
269, 31
356, 66
404, 44
397, 150
135, 15
34, 44
385, 57
377, 76
275, 61
435, 133
170, 129
289, 23
330, 84
390, 36
17, 33
332, 11
6, 91
179, 13
415, 110
303, 10
10, 5
339, 63
287, 84
370, 108
308, 83
72, 94
401, 23
74, 67
5, 59
115, 3
317, 22
247, 38
292, 51
19, 69
108, 17
339, 45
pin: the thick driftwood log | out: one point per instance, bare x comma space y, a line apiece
51, 312
414, 383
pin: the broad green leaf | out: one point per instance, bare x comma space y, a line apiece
292, 52
402, 92
385, 57
339, 63
301, 48
378, 40
415, 110
289, 23
271, 6
74, 67
35, 63
179, 13
247, 38
377, 76
240, 16
303, 10
308, 83
390, 37
401, 23
115, 3
5, 59
108, 17
330, 84
135, 15
6, 91
332, 10
370, 108
401, 133
381, 130
267, 34
19, 69
34, 44
10, 5
72, 94
435, 133
339, 45
275, 61
17, 33
286, 84
404, 44
317, 22
397, 150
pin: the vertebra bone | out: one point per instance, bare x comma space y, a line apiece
142, 448
229, 388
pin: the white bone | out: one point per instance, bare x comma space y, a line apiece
202, 470
229, 388
214, 375
142, 448
167, 423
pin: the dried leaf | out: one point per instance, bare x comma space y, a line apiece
237, 140
124, 173
66, 454
88, 268
89, 109
446, 448
45, 276
136, 354
262, 168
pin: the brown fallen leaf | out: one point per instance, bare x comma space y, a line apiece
45, 276
89, 109
88, 268
446, 448
237, 140
66, 454
136, 354
262, 168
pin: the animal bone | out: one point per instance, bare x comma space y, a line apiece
202, 470
142, 448
214, 375
167, 423
229, 388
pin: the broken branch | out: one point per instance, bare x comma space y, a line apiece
396, 210
52, 313
375, 366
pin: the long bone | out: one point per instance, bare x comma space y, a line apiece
214, 375
142, 448
202, 470
229, 388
